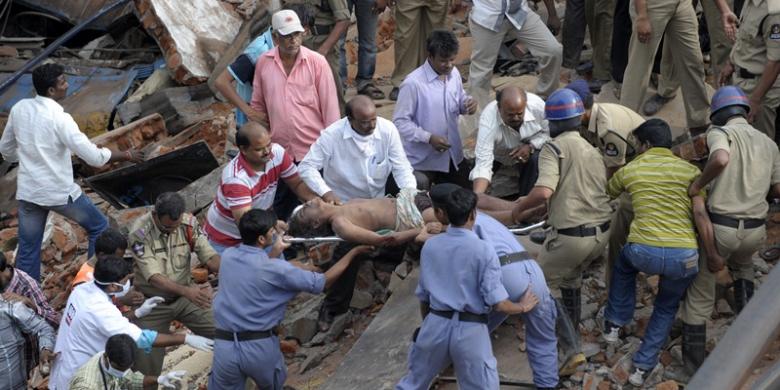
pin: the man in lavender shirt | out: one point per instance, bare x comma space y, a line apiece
429, 103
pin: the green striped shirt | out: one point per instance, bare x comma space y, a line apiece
658, 183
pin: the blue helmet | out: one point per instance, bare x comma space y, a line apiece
727, 102
563, 104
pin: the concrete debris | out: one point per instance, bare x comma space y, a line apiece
361, 300
315, 357
340, 323
301, 322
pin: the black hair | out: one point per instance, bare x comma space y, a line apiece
459, 206
45, 77
305, 13
442, 43
120, 350
241, 138
3, 262
655, 132
296, 227
170, 204
587, 102
110, 241
110, 269
255, 223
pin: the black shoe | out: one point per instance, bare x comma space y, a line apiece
572, 302
743, 291
394, 94
595, 86
325, 319
538, 237
654, 104
694, 346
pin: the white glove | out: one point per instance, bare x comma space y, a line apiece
199, 342
147, 306
169, 380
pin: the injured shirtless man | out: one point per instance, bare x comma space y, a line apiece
362, 220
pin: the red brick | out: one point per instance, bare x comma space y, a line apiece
620, 375
604, 385
59, 237
600, 358
7, 234
668, 385
666, 358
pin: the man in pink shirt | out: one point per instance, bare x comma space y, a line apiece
294, 89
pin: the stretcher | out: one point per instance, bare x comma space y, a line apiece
318, 240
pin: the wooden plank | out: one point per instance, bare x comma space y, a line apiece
378, 359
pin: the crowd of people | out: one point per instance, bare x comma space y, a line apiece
402, 189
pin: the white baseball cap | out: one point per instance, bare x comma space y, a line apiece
286, 22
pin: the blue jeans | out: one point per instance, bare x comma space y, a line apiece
366, 25
677, 268
32, 221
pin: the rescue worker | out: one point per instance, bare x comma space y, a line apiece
755, 61
675, 19
519, 273
162, 241
460, 281
90, 318
254, 290
331, 21
609, 128
572, 180
742, 166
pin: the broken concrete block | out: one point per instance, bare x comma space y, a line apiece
315, 357
590, 382
88, 51
361, 300
179, 106
760, 264
590, 349
336, 329
301, 322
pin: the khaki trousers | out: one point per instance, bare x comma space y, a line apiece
313, 42
199, 321
676, 19
487, 43
618, 232
564, 258
598, 16
720, 48
737, 246
765, 119
414, 22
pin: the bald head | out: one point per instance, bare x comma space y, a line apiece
361, 113
254, 142
511, 106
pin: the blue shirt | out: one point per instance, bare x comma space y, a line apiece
496, 234
254, 289
243, 69
428, 105
460, 272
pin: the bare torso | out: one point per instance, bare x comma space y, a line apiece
370, 214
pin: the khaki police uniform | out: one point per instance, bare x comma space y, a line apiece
738, 198
326, 14
414, 22
758, 41
579, 209
612, 125
169, 255
677, 19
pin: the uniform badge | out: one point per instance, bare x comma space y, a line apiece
774, 32
138, 248
611, 150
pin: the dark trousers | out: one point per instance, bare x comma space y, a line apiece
621, 38
573, 33
285, 201
457, 175
529, 172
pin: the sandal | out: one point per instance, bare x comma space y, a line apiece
373, 92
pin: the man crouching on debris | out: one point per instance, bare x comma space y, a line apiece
253, 295
460, 281
520, 273
41, 136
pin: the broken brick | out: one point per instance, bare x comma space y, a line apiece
668, 385
604, 385
666, 358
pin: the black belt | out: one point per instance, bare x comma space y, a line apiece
514, 258
584, 231
462, 316
723, 220
241, 336
321, 29
747, 75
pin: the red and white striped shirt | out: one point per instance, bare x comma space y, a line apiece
239, 187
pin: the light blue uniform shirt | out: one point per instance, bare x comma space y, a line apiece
254, 289
258, 46
460, 272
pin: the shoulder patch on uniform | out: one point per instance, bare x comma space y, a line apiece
774, 32
610, 149
138, 248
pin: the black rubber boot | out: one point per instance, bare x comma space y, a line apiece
743, 291
694, 342
571, 298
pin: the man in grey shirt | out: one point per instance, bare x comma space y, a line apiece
16, 318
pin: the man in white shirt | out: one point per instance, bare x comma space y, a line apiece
512, 129
90, 318
41, 136
491, 21
356, 155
